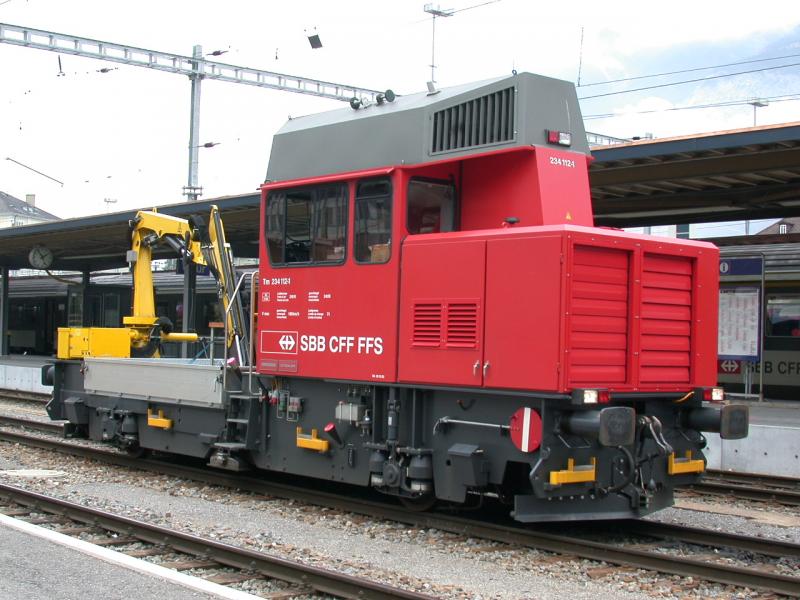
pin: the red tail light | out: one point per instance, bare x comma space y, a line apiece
714, 394
562, 138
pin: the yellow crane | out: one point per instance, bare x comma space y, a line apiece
143, 330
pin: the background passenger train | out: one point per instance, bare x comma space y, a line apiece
38, 306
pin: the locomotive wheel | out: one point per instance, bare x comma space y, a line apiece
418, 504
136, 451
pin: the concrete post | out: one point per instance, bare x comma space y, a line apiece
4, 275
189, 288
85, 299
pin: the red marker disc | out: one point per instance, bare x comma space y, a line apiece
526, 429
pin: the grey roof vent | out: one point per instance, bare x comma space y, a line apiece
454, 123
478, 122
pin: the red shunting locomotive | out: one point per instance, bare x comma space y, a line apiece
433, 289
438, 319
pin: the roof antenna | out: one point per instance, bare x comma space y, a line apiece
580, 59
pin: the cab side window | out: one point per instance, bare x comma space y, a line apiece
431, 206
298, 227
307, 225
373, 225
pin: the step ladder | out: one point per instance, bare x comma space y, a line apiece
242, 425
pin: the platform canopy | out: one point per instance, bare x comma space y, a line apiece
749, 173
732, 175
101, 241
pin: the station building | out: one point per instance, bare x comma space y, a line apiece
17, 213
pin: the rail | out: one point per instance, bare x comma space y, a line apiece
320, 580
758, 488
543, 537
46, 426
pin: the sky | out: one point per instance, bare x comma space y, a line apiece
119, 140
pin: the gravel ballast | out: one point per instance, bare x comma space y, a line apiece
443, 564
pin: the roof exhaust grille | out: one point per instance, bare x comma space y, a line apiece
478, 122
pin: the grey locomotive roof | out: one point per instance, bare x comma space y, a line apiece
9, 205
405, 131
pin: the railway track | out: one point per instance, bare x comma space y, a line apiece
224, 564
660, 547
32, 424
24, 396
760, 488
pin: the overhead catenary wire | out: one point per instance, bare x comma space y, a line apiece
454, 11
458, 10
722, 104
689, 70
685, 81
705, 226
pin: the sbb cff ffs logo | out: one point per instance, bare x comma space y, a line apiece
731, 367
342, 344
290, 342
287, 342
279, 342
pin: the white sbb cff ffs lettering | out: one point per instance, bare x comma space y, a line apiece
341, 344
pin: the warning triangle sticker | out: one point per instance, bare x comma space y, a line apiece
569, 216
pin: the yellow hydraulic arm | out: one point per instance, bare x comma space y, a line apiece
149, 229
143, 329
220, 260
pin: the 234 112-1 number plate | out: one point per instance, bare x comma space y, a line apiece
562, 162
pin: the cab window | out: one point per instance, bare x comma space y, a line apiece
431, 206
307, 225
373, 225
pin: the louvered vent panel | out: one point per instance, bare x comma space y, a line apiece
599, 316
478, 122
462, 325
427, 325
666, 319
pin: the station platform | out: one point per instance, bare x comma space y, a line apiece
23, 373
772, 446
32, 568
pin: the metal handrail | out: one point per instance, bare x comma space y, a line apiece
251, 354
253, 299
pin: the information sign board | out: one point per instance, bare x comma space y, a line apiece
739, 323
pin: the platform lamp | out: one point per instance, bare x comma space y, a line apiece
757, 103
314, 40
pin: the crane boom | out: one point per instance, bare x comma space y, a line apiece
144, 330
